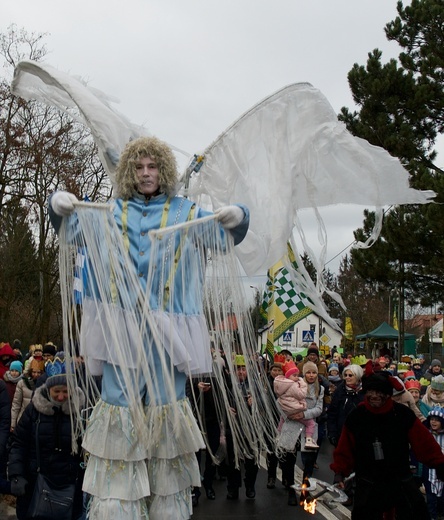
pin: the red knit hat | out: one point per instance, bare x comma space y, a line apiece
290, 368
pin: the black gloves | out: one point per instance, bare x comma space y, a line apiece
18, 486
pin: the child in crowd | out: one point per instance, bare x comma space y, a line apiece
334, 377
36, 352
291, 391
434, 487
392, 368
12, 377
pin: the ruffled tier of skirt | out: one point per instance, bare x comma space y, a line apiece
184, 338
130, 472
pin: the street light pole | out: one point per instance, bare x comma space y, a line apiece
256, 310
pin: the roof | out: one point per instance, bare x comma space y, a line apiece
385, 331
421, 323
228, 324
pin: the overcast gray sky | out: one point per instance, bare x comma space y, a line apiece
186, 69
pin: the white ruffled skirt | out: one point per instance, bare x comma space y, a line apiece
130, 474
184, 338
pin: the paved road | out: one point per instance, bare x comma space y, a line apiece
269, 503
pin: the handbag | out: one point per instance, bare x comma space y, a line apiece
50, 501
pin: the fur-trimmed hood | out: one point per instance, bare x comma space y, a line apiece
43, 405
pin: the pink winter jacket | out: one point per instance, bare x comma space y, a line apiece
291, 394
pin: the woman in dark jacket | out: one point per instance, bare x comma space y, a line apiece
345, 398
58, 459
200, 392
5, 425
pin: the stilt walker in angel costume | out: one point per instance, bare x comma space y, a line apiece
116, 475
142, 326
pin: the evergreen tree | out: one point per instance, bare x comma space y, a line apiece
401, 108
334, 310
367, 303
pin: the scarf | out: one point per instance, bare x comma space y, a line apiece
353, 388
54, 402
436, 399
8, 377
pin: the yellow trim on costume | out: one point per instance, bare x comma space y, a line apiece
125, 224
165, 212
166, 291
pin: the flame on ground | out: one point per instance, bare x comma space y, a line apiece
308, 503
310, 506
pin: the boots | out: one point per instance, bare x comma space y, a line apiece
195, 495
292, 499
310, 444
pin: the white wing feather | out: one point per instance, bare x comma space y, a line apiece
290, 152
287, 153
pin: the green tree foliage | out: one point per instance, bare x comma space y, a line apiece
19, 276
401, 109
41, 150
330, 282
257, 319
367, 303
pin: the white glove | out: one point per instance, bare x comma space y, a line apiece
63, 202
230, 216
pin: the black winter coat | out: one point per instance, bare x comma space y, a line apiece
56, 458
5, 425
342, 403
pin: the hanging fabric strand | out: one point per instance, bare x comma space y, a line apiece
149, 340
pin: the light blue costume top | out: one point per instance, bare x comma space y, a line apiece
135, 218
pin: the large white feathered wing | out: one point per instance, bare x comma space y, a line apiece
287, 153
110, 130
290, 152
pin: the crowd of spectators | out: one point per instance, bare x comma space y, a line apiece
314, 398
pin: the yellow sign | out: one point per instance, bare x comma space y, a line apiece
325, 339
325, 349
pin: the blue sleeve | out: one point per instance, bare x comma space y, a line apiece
56, 220
240, 231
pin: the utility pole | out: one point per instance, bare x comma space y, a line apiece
401, 308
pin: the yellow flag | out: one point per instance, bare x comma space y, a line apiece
348, 328
395, 318
283, 305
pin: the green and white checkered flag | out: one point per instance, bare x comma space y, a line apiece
283, 304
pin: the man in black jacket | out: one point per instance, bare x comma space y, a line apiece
374, 443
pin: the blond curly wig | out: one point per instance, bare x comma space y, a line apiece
160, 152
